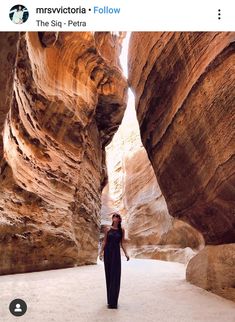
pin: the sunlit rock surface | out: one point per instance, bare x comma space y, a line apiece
68, 99
213, 269
8, 51
133, 191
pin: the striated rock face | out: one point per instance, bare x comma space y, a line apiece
213, 269
184, 87
68, 100
133, 190
8, 45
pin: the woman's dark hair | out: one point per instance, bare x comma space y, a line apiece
119, 224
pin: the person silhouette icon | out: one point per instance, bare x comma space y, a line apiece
17, 308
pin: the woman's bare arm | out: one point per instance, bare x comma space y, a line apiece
103, 243
122, 244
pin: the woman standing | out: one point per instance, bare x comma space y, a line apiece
114, 237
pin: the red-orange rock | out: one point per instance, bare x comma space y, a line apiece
8, 45
184, 87
68, 101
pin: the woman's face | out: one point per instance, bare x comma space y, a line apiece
116, 218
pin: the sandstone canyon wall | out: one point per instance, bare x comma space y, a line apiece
185, 101
213, 269
184, 87
8, 53
133, 190
63, 97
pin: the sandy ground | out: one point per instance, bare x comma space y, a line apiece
151, 290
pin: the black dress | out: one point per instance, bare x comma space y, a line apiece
112, 264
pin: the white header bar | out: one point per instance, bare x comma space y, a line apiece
117, 15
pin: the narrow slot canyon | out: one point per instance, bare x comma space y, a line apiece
133, 191
81, 136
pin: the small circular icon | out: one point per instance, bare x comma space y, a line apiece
19, 14
18, 307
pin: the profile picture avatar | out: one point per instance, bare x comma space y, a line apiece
19, 14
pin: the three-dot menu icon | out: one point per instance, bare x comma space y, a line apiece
219, 14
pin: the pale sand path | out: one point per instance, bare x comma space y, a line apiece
151, 290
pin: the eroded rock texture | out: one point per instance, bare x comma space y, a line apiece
133, 191
185, 99
213, 269
68, 100
8, 45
